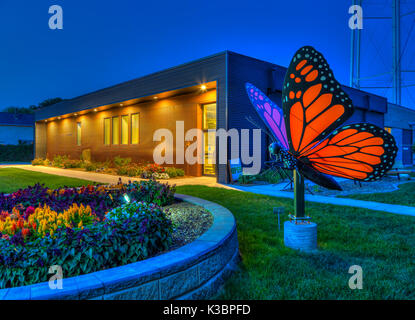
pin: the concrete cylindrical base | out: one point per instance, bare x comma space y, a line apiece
300, 236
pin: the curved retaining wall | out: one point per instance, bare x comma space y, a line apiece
194, 271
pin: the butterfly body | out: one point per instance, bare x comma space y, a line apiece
283, 158
308, 132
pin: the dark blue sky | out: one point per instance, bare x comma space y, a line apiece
108, 42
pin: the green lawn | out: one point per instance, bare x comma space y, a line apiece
12, 179
382, 244
403, 196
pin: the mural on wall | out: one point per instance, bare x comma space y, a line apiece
307, 130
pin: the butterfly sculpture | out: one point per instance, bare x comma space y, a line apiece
307, 131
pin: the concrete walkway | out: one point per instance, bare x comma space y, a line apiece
270, 190
112, 179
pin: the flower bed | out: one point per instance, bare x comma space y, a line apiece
119, 166
83, 230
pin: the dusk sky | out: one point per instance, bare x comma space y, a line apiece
107, 42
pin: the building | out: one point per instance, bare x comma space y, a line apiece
207, 94
16, 128
400, 122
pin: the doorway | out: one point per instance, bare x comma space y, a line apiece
209, 138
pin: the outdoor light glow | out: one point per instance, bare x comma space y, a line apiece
127, 198
59, 118
95, 110
121, 104
203, 87
155, 98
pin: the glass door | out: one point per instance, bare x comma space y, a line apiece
209, 135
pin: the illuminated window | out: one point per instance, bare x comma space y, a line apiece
107, 131
116, 130
135, 128
209, 116
388, 129
124, 129
78, 133
209, 123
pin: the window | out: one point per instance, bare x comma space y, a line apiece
78, 133
135, 128
124, 129
388, 129
116, 130
209, 123
209, 116
107, 131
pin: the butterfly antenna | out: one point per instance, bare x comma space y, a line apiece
262, 128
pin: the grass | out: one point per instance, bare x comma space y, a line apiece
382, 244
12, 179
403, 196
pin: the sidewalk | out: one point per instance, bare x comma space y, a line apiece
112, 179
272, 190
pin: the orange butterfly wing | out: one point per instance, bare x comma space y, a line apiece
359, 151
313, 102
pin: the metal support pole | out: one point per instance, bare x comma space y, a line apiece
299, 201
396, 51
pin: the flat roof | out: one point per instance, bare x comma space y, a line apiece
16, 119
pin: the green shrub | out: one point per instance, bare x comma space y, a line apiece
19, 153
270, 176
38, 162
121, 162
174, 172
68, 164
58, 160
152, 191
90, 166
246, 179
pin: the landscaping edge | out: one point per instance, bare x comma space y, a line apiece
194, 271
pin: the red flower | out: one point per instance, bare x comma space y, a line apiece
30, 210
25, 232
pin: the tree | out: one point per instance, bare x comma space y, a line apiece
32, 108
48, 102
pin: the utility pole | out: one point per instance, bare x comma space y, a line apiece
399, 51
396, 51
355, 42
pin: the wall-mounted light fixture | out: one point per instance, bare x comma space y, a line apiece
203, 87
